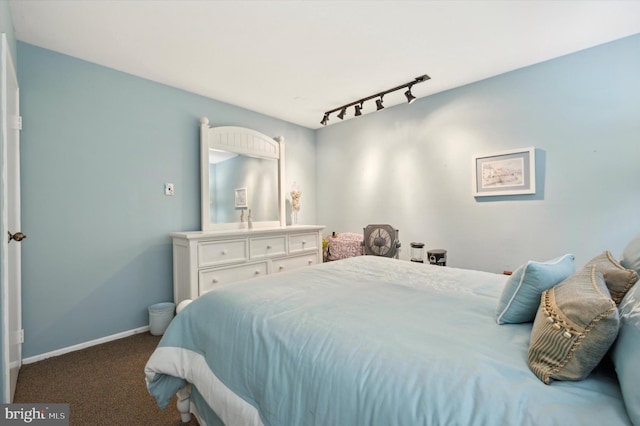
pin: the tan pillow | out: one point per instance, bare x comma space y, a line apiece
575, 325
619, 279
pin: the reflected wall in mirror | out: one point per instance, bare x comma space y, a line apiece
234, 158
228, 172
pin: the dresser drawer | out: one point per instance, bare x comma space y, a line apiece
209, 279
222, 252
300, 242
291, 263
268, 246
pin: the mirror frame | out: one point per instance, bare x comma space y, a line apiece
245, 142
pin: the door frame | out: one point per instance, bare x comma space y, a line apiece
10, 311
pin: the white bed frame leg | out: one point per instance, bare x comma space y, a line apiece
184, 403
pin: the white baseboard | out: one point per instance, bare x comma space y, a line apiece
84, 345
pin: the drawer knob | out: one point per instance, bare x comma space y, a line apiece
268, 247
310, 261
224, 251
257, 272
281, 267
214, 281
304, 242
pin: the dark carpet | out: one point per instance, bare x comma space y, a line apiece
103, 385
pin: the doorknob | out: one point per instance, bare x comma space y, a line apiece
18, 236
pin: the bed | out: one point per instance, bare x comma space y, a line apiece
376, 341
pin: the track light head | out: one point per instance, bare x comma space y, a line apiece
358, 110
325, 120
379, 105
409, 95
342, 113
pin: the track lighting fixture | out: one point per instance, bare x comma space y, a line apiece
360, 103
409, 95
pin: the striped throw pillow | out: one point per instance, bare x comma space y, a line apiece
575, 325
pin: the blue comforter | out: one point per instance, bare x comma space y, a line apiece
374, 341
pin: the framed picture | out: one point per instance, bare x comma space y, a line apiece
241, 197
505, 173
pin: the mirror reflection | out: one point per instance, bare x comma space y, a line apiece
228, 172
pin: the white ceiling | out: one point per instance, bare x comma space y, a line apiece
294, 60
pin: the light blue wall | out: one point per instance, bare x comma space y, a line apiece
97, 147
410, 165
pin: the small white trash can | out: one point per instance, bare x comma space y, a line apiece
160, 315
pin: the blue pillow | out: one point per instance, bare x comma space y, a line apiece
521, 295
630, 258
625, 353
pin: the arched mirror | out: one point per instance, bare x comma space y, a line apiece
242, 175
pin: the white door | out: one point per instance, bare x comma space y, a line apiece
10, 281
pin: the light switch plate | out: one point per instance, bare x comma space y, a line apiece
168, 189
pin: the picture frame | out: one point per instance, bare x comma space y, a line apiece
241, 198
511, 172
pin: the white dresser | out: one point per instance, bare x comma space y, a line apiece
203, 260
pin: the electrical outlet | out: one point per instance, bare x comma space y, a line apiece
168, 189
